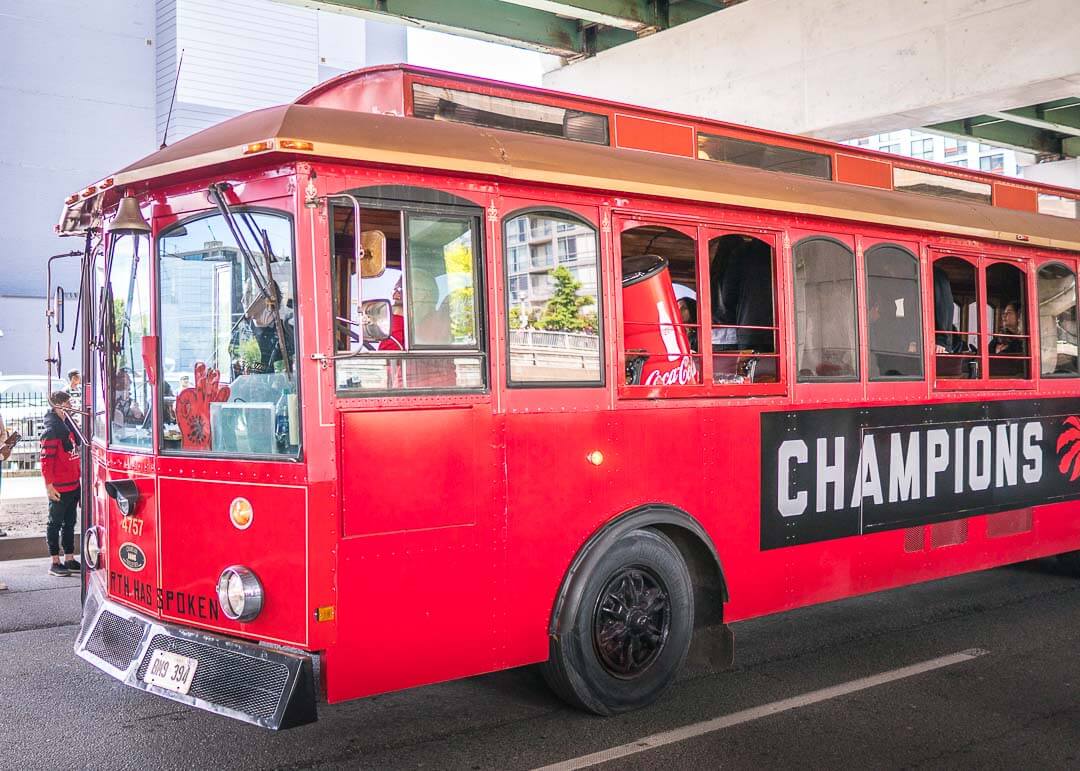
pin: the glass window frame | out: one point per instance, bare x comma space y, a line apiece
817, 379
568, 214
980, 261
920, 318
1037, 269
299, 456
105, 370
425, 201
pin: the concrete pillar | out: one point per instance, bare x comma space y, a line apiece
845, 68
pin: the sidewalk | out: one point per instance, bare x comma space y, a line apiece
24, 509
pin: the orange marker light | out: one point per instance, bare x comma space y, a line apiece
259, 147
325, 613
295, 144
107, 183
89, 191
71, 199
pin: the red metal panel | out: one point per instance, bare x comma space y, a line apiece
1016, 197
198, 541
410, 469
655, 135
863, 171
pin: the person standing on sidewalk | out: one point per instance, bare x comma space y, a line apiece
60, 467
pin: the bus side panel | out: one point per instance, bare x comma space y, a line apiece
422, 554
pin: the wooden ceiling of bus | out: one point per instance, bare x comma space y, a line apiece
460, 148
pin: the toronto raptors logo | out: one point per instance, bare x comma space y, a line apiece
1069, 441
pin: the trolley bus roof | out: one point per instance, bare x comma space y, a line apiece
296, 130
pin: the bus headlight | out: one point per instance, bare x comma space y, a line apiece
239, 593
92, 548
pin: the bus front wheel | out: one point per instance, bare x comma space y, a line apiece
621, 646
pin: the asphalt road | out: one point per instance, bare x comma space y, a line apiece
1017, 705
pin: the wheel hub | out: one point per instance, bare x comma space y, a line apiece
631, 621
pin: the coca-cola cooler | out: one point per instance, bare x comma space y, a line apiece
657, 351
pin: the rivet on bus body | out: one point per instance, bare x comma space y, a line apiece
595, 457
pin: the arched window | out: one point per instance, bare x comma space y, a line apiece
552, 299
825, 310
893, 318
1007, 318
957, 338
1057, 321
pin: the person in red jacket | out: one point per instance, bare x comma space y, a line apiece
60, 467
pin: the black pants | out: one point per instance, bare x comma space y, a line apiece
62, 522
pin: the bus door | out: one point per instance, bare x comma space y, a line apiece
419, 465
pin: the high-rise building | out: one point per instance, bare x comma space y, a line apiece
950, 150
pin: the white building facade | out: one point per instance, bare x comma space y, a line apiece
87, 89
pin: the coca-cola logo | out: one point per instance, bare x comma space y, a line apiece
683, 374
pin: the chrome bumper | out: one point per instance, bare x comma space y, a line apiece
266, 686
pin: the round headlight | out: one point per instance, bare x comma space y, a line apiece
92, 547
239, 593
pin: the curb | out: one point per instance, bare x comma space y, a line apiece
27, 548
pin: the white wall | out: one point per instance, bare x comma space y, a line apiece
1064, 173
845, 68
77, 101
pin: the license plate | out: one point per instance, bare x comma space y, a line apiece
171, 670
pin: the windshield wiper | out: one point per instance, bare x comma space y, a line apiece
268, 289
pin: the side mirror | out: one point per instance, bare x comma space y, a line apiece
373, 254
377, 313
58, 309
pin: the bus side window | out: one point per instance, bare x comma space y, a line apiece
660, 332
893, 320
415, 323
825, 329
1006, 310
552, 299
957, 337
1057, 321
744, 328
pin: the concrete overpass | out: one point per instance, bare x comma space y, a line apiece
1004, 71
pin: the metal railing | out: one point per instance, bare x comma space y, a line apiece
24, 413
542, 338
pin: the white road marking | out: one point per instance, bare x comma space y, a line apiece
745, 716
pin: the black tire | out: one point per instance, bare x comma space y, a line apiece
623, 644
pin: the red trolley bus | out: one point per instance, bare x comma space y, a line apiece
424, 376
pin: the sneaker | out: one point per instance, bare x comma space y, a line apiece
73, 565
57, 569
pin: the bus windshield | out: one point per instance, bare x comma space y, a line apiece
228, 337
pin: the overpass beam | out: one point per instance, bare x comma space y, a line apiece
492, 20
1003, 132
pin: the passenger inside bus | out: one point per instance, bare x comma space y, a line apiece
893, 319
1004, 344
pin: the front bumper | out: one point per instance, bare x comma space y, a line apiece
265, 686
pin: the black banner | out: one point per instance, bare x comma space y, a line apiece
835, 473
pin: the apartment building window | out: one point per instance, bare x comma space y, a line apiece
922, 148
954, 147
893, 148
992, 163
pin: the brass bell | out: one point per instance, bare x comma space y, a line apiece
128, 218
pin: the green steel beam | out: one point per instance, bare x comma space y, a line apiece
484, 19
570, 28
1003, 133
